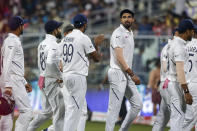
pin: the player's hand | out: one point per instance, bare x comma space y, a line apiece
8, 91
59, 81
28, 88
99, 39
136, 80
188, 98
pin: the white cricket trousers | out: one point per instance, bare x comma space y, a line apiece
178, 106
6, 122
191, 110
121, 86
22, 102
76, 107
52, 105
163, 115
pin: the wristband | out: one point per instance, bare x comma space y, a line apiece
185, 88
130, 72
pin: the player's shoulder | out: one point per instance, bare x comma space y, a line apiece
117, 31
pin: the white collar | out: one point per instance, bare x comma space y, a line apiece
52, 37
13, 35
180, 39
125, 28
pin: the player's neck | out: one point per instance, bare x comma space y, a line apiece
15, 32
183, 36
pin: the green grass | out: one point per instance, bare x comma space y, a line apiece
100, 126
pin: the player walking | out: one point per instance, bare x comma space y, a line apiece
75, 47
177, 87
14, 83
191, 110
163, 115
121, 77
49, 82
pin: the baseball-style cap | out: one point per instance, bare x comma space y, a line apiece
68, 28
51, 25
79, 20
186, 24
16, 21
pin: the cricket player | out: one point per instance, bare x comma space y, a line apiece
177, 86
163, 115
120, 75
14, 83
191, 110
75, 47
48, 63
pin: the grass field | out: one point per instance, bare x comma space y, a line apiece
100, 126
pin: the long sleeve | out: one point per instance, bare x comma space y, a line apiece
8, 56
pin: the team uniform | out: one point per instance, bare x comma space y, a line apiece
163, 115
52, 98
13, 76
75, 47
177, 53
120, 82
191, 110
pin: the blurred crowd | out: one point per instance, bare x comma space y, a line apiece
163, 17
40, 11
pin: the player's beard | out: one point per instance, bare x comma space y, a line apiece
58, 35
21, 32
127, 25
189, 38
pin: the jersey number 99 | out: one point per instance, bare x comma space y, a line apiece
68, 53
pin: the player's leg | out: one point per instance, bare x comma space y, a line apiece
116, 93
6, 122
191, 110
163, 115
178, 106
76, 86
23, 103
133, 96
82, 121
56, 101
44, 115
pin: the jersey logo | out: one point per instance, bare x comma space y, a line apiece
117, 36
10, 47
126, 36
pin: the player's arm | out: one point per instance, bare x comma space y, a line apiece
7, 63
95, 55
182, 81
124, 65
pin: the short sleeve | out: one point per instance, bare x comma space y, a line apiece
88, 46
117, 40
164, 54
179, 54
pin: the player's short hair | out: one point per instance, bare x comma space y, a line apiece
126, 11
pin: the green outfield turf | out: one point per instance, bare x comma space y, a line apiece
100, 126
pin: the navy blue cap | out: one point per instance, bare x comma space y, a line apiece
79, 20
186, 24
16, 21
51, 25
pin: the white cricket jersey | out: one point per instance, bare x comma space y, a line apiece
164, 58
49, 57
177, 52
122, 38
74, 48
12, 59
192, 61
